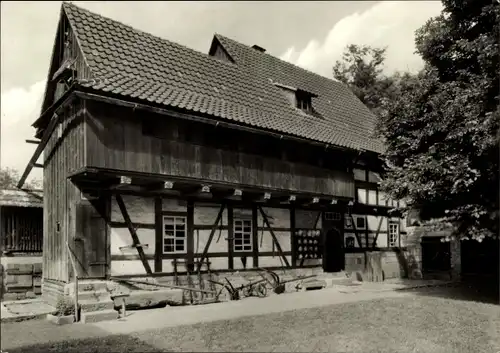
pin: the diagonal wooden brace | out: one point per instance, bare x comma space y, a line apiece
356, 232
278, 246
378, 232
212, 233
133, 233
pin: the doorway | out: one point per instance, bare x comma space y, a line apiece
333, 251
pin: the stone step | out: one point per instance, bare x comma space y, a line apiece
98, 316
312, 285
86, 286
93, 305
94, 295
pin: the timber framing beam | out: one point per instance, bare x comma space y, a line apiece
278, 246
292, 236
358, 239
255, 237
133, 233
147, 184
211, 236
54, 109
158, 234
378, 232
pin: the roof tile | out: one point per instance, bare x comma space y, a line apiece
139, 65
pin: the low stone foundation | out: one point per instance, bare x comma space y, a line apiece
20, 277
95, 296
105, 295
394, 264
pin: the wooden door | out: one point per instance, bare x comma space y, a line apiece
91, 238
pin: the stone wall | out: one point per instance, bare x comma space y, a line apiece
20, 277
394, 264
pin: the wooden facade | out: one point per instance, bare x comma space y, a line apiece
302, 209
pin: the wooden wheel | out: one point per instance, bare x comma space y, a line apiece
260, 290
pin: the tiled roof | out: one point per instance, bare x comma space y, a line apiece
134, 64
21, 198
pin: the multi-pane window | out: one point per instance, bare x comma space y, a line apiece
174, 234
332, 216
303, 101
242, 235
393, 240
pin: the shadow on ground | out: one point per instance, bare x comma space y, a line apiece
482, 290
116, 343
20, 337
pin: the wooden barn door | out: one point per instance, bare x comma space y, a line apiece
91, 238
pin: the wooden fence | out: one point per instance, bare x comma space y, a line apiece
21, 229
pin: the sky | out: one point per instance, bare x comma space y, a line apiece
310, 34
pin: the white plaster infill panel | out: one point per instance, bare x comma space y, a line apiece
121, 241
139, 209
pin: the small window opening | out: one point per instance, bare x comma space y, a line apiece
303, 101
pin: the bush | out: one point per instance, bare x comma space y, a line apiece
65, 306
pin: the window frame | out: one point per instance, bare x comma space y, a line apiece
174, 236
245, 247
397, 242
333, 216
356, 222
303, 102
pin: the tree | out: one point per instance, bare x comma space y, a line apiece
9, 178
361, 68
441, 129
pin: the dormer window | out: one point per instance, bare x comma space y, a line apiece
303, 101
299, 98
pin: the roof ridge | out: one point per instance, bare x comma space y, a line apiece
284, 61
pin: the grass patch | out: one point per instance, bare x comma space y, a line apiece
411, 324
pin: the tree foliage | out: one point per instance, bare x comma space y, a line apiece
361, 68
9, 178
442, 127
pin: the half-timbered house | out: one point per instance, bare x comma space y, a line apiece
158, 158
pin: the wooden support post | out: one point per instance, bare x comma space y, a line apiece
158, 235
212, 233
255, 237
133, 233
230, 237
190, 236
293, 242
366, 233
278, 246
